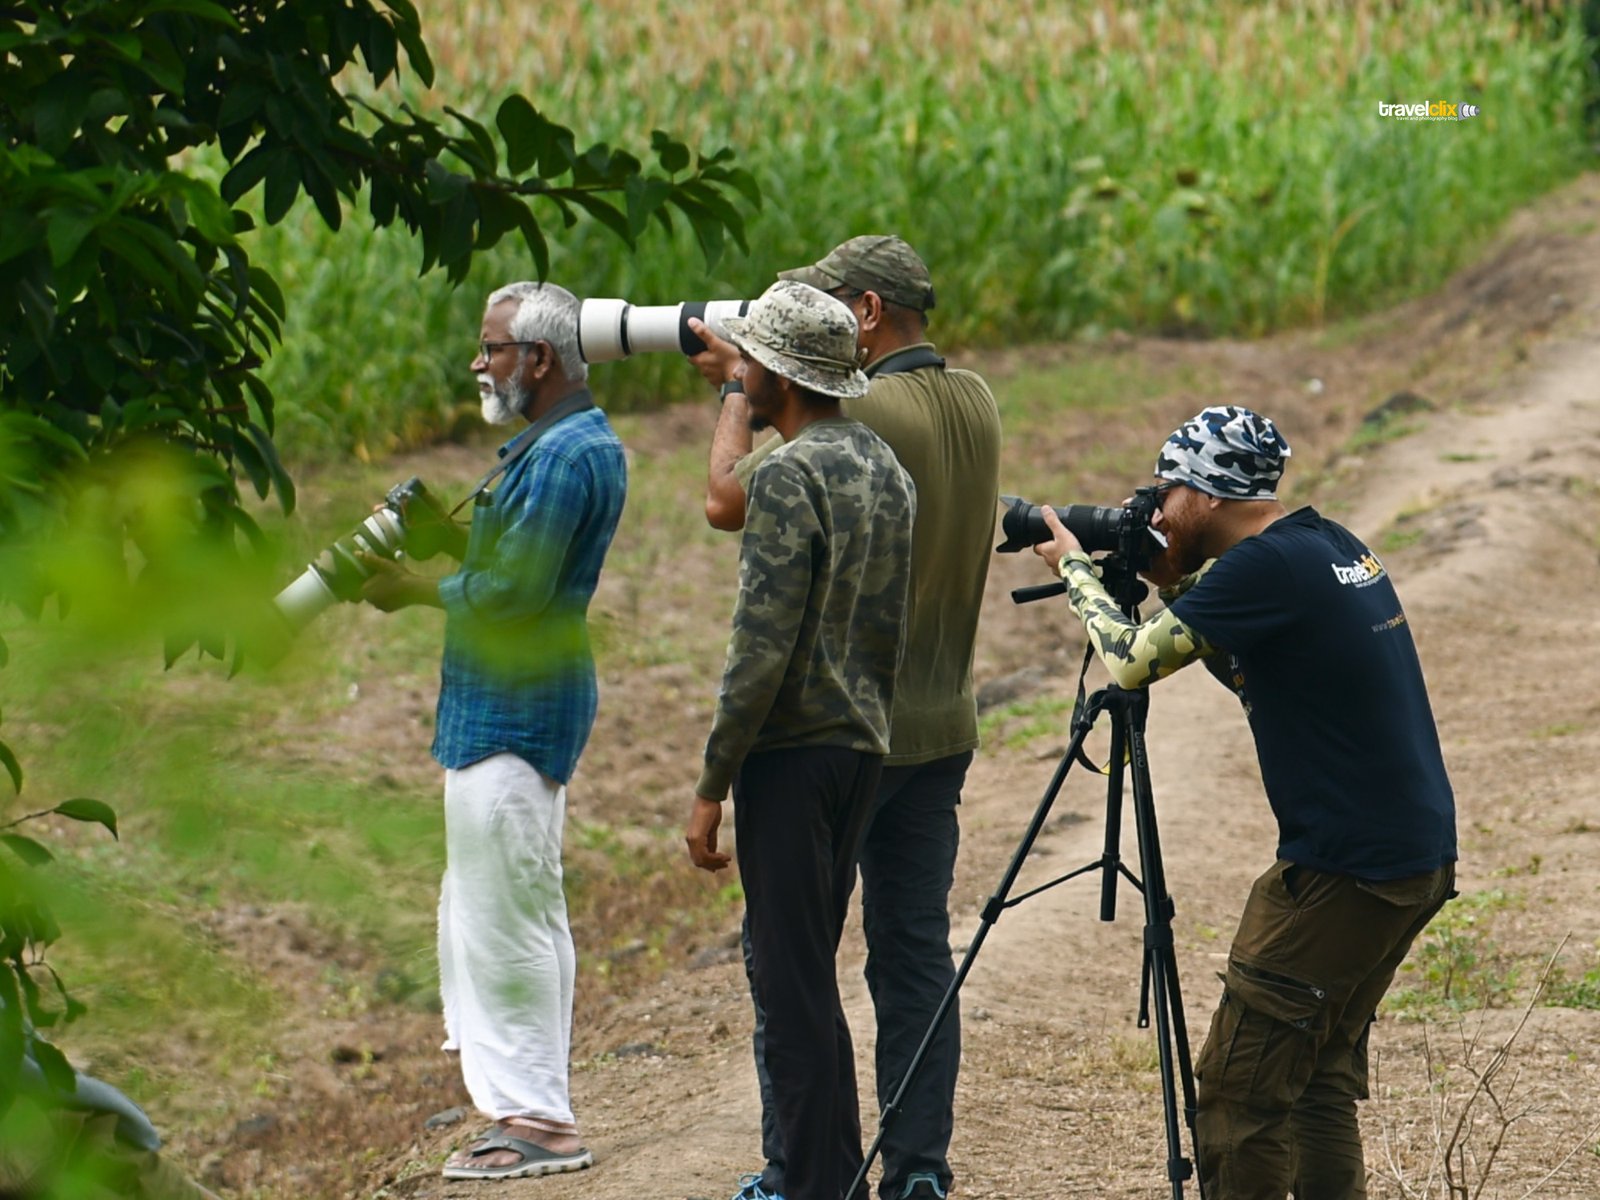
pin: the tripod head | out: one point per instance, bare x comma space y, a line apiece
1119, 575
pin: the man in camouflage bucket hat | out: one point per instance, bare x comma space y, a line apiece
1299, 618
802, 722
944, 426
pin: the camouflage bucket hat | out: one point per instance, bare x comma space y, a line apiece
1227, 452
804, 335
874, 262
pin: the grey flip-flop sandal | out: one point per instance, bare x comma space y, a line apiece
536, 1160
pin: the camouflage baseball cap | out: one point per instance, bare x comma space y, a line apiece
873, 262
804, 335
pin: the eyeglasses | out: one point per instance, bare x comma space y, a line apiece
846, 294
486, 349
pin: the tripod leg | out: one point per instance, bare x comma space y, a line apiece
996, 905
1115, 766
1160, 977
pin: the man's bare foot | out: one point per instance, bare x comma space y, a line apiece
556, 1143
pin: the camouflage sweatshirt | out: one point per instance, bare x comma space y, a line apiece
824, 566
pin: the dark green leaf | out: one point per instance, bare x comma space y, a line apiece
28, 850
85, 809
606, 213
283, 184
58, 111
251, 170
58, 1072
204, 9
644, 197
707, 228
13, 768
324, 196
746, 185
65, 233
498, 215
455, 228
522, 127
174, 647
266, 287
534, 236
381, 49
408, 29
269, 455
674, 155
241, 102
246, 455
480, 139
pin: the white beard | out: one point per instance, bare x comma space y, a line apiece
500, 406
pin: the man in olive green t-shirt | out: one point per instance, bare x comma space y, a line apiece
944, 427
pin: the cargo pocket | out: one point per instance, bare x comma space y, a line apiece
1263, 1044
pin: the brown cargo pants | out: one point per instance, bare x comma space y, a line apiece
1286, 1058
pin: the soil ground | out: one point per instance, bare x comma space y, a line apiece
1481, 493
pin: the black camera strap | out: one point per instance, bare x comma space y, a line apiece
579, 401
912, 359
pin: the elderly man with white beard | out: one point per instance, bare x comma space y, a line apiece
517, 700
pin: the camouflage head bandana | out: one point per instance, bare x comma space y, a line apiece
1227, 452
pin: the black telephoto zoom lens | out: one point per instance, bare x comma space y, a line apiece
1095, 526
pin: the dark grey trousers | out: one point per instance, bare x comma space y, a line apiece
799, 815
907, 863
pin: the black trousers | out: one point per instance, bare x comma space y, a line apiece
799, 816
907, 863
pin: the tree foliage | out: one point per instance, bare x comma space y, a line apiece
133, 323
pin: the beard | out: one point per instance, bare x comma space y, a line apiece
502, 403
1185, 553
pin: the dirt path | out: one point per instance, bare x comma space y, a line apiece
1486, 514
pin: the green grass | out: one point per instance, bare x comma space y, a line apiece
1455, 965
1458, 965
1183, 166
1015, 726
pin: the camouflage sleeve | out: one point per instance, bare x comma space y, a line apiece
775, 557
1169, 594
1136, 654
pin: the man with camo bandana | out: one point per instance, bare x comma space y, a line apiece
802, 722
1299, 618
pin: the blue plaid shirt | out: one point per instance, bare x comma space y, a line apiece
518, 674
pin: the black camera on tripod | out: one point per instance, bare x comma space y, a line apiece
1124, 533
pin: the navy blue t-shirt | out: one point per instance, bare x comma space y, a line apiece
1323, 659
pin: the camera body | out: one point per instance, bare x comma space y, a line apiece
410, 519
609, 330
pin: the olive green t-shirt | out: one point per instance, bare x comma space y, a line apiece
944, 427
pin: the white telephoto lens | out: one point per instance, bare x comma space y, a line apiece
613, 329
602, 326
653, 327
305, 598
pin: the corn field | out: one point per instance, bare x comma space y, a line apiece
1182, 167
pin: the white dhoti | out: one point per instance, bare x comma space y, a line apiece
506, 960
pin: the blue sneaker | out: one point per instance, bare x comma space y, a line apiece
750, 1189
922, 1186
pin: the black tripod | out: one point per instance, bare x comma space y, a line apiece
1128, 711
